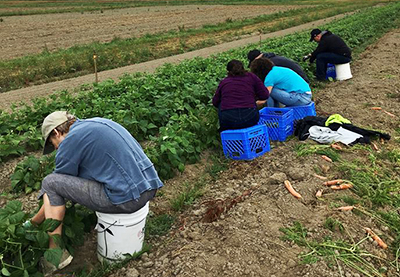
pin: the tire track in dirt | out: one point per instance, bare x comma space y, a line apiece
28, 93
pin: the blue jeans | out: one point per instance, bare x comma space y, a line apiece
287, 98
324, 58
238, 118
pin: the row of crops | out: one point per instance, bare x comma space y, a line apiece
169, 112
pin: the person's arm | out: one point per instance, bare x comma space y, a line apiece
261, 92
322, 47
217, 97
66, 166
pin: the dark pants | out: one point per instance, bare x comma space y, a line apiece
324, 58
238, 118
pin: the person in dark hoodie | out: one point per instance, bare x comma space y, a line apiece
278, 61
331, 49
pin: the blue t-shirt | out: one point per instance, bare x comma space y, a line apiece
286, 79
102, 150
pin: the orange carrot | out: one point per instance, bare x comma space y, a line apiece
320, 177
342, 186
376, 108
375, 146
337, 147
326, 158
345, 208
375, 237
333, 182
291, 189
319, 193
392, 115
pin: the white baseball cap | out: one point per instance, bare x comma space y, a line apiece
51, 122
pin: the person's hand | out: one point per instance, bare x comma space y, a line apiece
260, 103
306, 57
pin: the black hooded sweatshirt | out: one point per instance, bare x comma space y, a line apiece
331, 43
288, 63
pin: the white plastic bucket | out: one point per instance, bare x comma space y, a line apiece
343, 71
119, 234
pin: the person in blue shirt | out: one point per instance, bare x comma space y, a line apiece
285, 85
98, 165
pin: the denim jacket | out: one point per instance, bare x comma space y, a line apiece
101, 150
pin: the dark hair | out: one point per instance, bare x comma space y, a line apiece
261, 67
235, 68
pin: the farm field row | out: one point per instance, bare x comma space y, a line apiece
183, 124
62, 46
11, 8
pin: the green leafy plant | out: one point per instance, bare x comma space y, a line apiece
22, 247
29, 173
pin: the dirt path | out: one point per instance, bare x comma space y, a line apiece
26, 94
245, 240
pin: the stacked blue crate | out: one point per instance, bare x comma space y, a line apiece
245, 144
279, 122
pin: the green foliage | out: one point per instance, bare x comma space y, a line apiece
333, 225
297, 233
22, 247
171, 108
189, 194
159, 225
333, 251
307, 149
376, 181
29, 173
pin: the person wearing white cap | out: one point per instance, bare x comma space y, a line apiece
98, 165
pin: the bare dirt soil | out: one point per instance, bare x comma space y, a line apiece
31, 34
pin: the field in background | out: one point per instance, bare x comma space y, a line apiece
44, 48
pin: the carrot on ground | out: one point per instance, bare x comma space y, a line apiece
376, 108
342, 186
320, 177
345, 208
375, 146
376, 238
337, 147
289, 187
386, 112
333, 182
326, 158
319, 193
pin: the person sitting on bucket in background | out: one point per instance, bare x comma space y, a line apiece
285, 85
278, 61
237, 97
331, 49
99, 165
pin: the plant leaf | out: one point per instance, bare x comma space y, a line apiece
53, 255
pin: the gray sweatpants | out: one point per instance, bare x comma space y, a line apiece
90, 194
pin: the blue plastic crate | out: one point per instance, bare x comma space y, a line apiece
279, 122
300, 112
245, 144
330, 71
